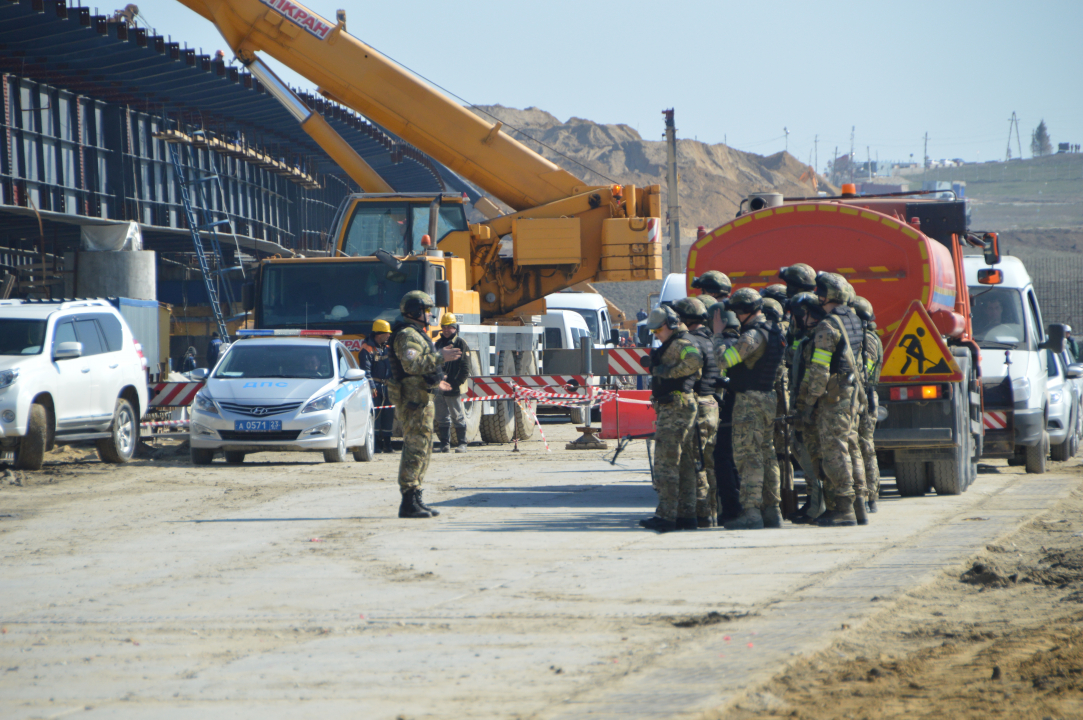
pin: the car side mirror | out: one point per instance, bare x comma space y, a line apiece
68, 350
614, 337
353, 374
1075, 371
987, 276
991, 248
1054, 339
442, 291
199, 374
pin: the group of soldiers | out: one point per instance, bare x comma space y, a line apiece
742, 382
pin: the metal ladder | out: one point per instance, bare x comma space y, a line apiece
211, 278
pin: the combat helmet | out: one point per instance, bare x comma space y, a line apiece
415, 304
777, 292
798, 277
804, 305
713, 282
690, 309
745, 300
863, 308
663, 315
833, 287
773, 309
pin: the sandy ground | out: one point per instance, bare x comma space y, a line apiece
287, 588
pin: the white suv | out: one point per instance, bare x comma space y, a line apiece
70, 371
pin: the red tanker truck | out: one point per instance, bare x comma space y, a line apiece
904, 254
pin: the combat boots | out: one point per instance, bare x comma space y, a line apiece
432, 511
751, 519
860, 511
687, 523
658, 524
411, 505
384, 443
839, 518
707, 521
772, 517
872, 504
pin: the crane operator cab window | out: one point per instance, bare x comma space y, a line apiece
386, 225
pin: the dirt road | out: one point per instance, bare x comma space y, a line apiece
287, 588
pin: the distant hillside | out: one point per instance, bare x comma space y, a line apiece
713, 178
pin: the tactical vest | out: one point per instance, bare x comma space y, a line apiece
851, 324
398, 372
761, 376
662, 387
707, 384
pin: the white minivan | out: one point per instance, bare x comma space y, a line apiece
1007, 326
592, 308
563, 329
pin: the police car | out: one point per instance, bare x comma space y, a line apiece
284, 390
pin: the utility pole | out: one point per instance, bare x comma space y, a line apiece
925, 170
1008, 152
787, 133
674, 195
816, 152
852, 128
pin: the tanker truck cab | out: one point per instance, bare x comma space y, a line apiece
1007, 325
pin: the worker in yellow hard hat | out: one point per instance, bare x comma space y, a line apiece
376, 363
449, 403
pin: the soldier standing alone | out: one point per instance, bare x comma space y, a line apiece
416, 370
675, 366
751, 363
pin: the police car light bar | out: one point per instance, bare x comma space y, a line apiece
288, 333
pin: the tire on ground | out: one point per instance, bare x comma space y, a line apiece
1036, 455
30, 453
202, 456
524, 420
500, 426
910, 478
123, 435
339, 454
366, 451
234, 457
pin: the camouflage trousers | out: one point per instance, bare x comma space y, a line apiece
707, 423
782, 438
754, 448
417, 419
674, 457
866, 428
840, 457
807, 450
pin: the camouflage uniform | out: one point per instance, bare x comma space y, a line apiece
808, 446
679, 362
873, 357
707, 426
422, 368
754, 413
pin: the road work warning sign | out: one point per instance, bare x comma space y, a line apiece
917, 353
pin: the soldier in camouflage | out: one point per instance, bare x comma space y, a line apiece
829, 397
806, 313
751, 363
675, 367
775, 304
416, 370
694, 315
872, 360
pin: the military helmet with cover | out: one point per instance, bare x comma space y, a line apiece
745, 300
777, 292
805, 305
713, 282
798, 277
691, 309
663, 315
773, 309
833, 287
863, 308
415, 304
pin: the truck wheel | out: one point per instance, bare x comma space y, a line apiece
30, 453
949, 476
1062, 452
500, 426
910, 478
124, 431
234, 457
202, 456
524, 420
1036, 455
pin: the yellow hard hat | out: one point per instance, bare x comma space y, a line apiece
381, 326
448, 319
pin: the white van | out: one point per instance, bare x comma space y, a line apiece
563, 328
592, 308
1007, 326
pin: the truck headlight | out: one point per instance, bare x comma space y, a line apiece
320, 404
1021, 390
205, 404
7, 377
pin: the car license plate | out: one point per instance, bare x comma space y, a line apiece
257, 425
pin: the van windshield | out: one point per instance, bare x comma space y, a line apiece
998, 317
591, 318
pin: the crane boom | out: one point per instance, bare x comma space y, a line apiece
354, 74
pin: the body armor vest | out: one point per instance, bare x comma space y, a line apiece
707, 384
662, 387
846, 319
398, 372
761, 376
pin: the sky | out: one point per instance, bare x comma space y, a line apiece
742, 73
